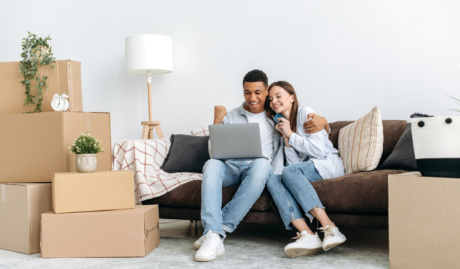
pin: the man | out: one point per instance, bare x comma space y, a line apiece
251, 174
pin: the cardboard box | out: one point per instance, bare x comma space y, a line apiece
34, 146
65, 78
118, 233
80, 192
21, 206
424, 213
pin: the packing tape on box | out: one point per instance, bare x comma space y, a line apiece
154, 228
88, 121
69, 79
137, 234
3, 192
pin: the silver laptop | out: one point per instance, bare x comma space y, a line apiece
234, 141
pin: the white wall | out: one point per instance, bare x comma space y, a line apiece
343, 57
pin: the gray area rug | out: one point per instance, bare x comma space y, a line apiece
240, 253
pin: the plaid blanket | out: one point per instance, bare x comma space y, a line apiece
145, 157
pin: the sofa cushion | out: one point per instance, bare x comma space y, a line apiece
186, 154
361, 143
189, 196
357, 193
403, 156
392, 130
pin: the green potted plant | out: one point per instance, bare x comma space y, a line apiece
86, 147
36, 52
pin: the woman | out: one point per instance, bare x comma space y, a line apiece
310, 157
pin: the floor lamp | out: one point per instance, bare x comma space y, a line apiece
149, 54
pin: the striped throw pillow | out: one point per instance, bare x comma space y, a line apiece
361, 143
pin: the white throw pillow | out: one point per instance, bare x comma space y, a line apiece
361, 143
202, 131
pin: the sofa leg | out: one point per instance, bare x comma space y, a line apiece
196, 226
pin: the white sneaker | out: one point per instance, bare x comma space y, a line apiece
306, 244
332, 237
199, 242
211, 248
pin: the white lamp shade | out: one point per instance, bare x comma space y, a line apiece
148, 54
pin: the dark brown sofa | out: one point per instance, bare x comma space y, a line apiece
358, 200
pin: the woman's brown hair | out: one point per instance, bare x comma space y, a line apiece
295, 105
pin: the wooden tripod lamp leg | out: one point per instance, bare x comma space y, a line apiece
148, 129
145, 132
159, 131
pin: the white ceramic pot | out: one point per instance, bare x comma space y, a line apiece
86, 163
437, 145
40, 52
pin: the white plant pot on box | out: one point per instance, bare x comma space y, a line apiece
86, 163
437, 145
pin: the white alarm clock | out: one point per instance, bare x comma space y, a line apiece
60, 102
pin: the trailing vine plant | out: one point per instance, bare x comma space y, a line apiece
35, 52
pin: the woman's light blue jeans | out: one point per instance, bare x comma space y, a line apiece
252, 175
293, 188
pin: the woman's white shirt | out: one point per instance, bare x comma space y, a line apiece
317, 147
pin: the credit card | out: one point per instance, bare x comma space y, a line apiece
278, 115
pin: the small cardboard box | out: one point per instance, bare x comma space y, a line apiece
21, 206
118, 233
34, 146
80, 192
424, 213
65, 78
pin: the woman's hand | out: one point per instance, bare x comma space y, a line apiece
284, 127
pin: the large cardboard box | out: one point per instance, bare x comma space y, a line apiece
424, 213
65, 78
21, 206
34, 146
80, 192
118, 233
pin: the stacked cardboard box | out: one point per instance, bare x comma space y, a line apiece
98, 191
104, 222
64, 78
116, 233
34, 146
21, 205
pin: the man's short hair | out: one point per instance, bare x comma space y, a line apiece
256, 76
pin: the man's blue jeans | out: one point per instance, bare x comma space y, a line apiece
293, 188
252, 176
